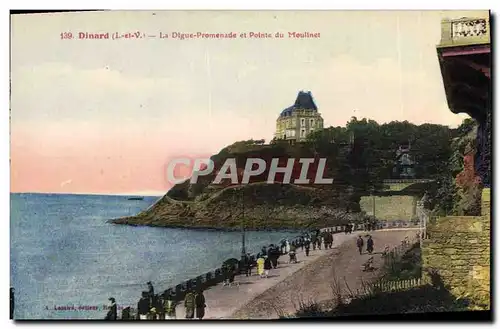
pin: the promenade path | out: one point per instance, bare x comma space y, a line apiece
256, 297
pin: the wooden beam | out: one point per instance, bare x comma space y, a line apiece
478, 67
461, 52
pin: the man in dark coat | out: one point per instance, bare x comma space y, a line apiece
283, 247
307, 245
360, 243
143, 306
274, 254
160, 306
225, 274
199, 300
369, 244
112, 311
267, 266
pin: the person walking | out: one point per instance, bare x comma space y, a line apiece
200, 304
169, 305
160, 306
143, 306
267, 266
360, 243
293, 254
307, 246
112, 310
250, 263
274, 255
260, 266
369, 244
225, 275
189, 304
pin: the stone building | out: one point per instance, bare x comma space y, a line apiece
296, 122
405, 165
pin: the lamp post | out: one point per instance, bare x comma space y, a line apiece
243, 249
350, 191
372, 190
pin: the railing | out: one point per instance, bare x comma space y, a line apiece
392, 255
405, 181
387, 224
466, 30
216, 276
393, 285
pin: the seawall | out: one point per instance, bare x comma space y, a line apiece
457, 249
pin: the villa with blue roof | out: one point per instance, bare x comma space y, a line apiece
296, 122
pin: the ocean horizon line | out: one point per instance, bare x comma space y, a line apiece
142, 194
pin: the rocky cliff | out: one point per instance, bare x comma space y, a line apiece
258, 205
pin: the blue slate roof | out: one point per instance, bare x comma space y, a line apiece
304, 101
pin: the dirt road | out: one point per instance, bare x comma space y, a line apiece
313, 281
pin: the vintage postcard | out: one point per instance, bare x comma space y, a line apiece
177, 165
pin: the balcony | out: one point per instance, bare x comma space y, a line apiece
465, 31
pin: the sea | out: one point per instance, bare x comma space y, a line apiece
66, 260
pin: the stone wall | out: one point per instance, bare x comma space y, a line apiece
458, 247
396, 207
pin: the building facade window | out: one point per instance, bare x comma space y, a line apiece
302, 133
302, 122
311, 123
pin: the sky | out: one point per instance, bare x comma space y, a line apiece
107, 116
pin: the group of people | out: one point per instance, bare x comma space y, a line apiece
194, 302
267, 258
161, 307
349, 228
369, 244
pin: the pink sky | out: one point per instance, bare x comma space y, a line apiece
105, 117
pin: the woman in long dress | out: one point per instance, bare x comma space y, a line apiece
260, 266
